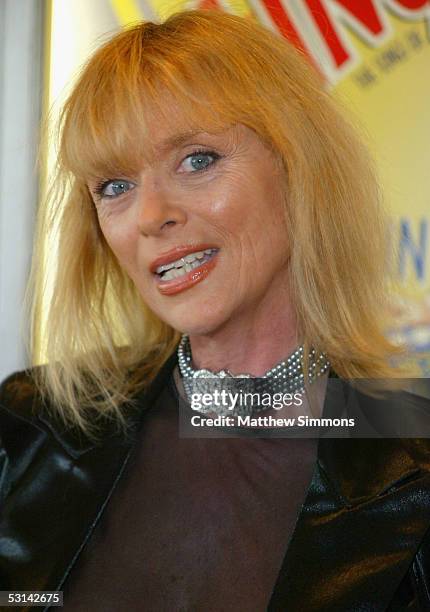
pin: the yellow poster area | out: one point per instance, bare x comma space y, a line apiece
375, 55
388, 90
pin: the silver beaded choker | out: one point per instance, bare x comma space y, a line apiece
286, 377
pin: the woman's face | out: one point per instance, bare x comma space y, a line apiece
200, 229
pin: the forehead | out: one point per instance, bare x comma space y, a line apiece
123, 137
169, 126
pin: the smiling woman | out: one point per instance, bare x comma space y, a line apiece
218, 220
215, 140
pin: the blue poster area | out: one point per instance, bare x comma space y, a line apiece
412, 308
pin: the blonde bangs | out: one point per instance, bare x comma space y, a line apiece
111, 135
146, 72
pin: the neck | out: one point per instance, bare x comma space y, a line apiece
252, 344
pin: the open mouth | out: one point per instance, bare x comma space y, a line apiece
184, 265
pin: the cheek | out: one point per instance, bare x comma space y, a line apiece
264, 233
121, 239
229, 208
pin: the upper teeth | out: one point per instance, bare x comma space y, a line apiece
187, 259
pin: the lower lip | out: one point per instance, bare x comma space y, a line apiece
176, 285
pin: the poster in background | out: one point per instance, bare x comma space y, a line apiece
375, 57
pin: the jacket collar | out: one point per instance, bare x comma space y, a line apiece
360, 469
365, 516
76, 444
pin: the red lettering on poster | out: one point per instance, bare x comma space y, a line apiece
413, 5
284, 24
364, 12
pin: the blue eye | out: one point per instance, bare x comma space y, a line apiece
113, 188
200, 160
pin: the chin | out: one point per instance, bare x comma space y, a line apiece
203, 322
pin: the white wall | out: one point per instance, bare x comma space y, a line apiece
21, 29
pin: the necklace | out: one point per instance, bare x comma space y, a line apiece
286, 377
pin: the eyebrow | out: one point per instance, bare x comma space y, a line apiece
178, 139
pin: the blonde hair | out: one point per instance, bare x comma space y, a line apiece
103, 344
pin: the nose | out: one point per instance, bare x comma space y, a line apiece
158, 210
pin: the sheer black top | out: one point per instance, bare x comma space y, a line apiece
195, 523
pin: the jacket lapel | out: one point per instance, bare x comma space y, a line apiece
365, 514
103, 470
66, 485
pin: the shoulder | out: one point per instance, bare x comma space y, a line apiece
30, 425
22, 432
401, 411
53, 486
22, 406
19, 397
21, 409
36, 446
27, 418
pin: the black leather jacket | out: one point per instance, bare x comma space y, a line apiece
361, 542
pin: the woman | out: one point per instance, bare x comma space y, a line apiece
216, 216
